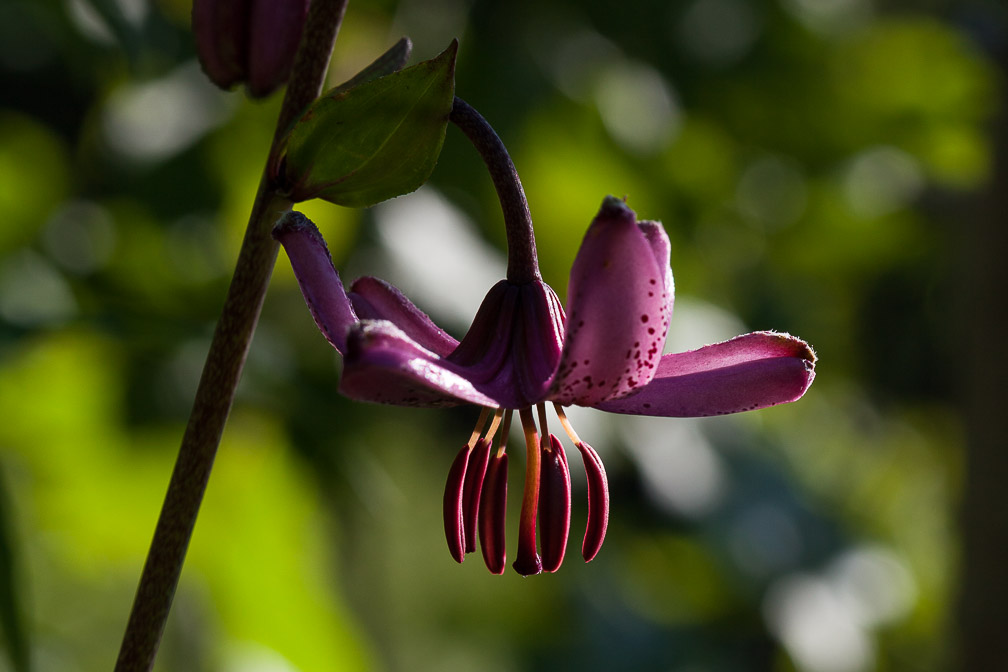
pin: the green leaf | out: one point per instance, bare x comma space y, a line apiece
391, 61
380, 139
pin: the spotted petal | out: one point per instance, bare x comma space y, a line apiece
742, 374
384, 365
618, 307
375, 299
320, 283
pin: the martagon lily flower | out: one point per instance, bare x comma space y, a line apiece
523, 352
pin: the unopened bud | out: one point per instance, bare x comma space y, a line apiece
251, 42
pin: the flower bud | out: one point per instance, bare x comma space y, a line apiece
248, 41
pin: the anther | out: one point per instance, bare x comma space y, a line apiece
598, 502
598, 491
493, 506
453, 505
554, 503
460, 491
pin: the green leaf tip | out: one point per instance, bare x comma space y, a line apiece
377, 136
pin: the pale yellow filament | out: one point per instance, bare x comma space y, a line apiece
566, 424
479, 427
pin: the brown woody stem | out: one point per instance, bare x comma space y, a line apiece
225, 359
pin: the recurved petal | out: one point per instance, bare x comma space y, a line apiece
658, 239
374, 299
384, 365
320, 283
742, 374
617, 310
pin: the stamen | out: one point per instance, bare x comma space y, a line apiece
505, 432
462, 489
598, 491
543, 427
479, 426
493, 503
527, 561
562, 417
453, 505
493, 514
498, 414
475, 473
554, 503
598, 502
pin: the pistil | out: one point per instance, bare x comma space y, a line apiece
528, 561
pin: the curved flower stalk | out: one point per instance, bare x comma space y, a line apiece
523, 351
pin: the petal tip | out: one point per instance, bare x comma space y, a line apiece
293, 221
615, 208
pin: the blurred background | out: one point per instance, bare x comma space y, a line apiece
823, 167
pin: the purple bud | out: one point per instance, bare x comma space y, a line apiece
598, 502
274, 35
453, 505
493, 515
554, 503
475, 471
248, 41
220, 27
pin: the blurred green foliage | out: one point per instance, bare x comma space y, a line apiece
808, 161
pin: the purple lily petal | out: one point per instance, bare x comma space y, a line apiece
540, 343
617, 309
320, 283
374, 299
486, 349
742, 374
382, 364
512, 348
656, 237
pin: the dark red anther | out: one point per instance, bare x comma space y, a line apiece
453, 505
474, 473
493, 514
554, 503
598, 502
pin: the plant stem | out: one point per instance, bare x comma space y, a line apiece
523, 264
224, 363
